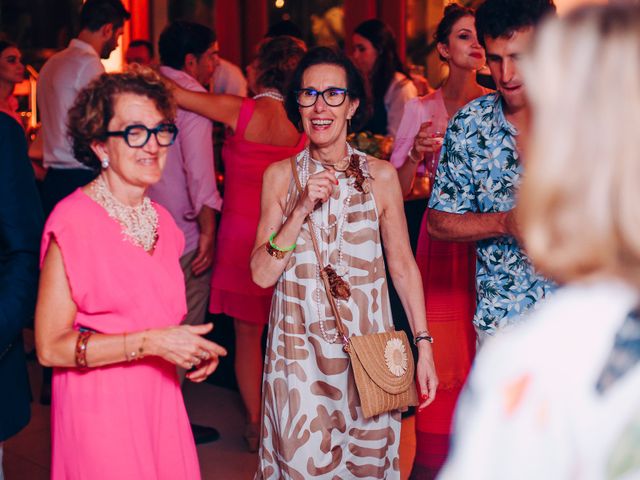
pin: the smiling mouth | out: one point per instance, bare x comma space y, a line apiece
147, 161
476, 55
321, 123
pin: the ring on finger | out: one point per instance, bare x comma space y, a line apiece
189, 365
204, 355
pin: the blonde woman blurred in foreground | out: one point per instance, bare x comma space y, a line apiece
559, 397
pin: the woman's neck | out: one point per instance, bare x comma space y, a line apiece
461, 87
6, 90
330, 154
125, 193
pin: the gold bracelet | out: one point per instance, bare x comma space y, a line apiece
130, 355
81, 348
412, 156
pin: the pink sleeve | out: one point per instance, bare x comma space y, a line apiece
409, 126
197, 152
62, 226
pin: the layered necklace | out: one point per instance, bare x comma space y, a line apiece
274, 94
340, 271
139, 224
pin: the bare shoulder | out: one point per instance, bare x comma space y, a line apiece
382, 169
277, 176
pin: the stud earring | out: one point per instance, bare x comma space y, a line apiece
105, 162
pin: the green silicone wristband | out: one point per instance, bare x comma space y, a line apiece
276, 247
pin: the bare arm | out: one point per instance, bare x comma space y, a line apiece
470, 226
265, 269
56, 338
403, 268
218, 107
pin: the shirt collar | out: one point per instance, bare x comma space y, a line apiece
499, 120
84, 46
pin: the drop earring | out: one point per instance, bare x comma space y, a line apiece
105, 162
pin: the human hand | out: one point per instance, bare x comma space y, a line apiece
511, 225
185, 346
318, 189
204, 256
426, 374
426, 140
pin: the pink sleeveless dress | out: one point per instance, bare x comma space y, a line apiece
126, 420
232, 289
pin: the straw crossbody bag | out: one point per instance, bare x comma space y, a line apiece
382, 363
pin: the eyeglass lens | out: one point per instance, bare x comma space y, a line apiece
334, 97
138, 135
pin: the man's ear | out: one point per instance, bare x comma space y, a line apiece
106, 30
190, 63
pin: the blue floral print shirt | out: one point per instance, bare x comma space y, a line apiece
479, 172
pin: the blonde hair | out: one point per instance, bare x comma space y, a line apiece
580, 199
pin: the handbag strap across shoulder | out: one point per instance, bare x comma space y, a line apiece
325, 280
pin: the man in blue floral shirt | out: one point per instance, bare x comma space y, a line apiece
474, 193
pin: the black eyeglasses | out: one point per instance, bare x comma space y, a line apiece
137, 136
334, 97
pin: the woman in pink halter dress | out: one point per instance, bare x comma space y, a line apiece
262, 135
448, 268
112, 297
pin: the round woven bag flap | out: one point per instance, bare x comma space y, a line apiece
370, 352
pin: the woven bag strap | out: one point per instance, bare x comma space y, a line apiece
327, 287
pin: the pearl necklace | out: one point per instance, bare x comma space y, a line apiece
275, 95
318, 227
139, 224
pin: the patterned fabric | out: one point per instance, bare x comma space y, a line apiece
531, 408
313, 426
625, 354
479, 171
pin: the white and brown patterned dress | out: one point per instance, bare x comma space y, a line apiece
313, 427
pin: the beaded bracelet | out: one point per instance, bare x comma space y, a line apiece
81, 348
275, 251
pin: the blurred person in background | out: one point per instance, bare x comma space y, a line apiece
447, 268
140, 52
376, 55
188, 53
20, 230
11, 73
112, 296
558, 397
255, 144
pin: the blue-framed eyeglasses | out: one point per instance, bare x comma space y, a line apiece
137, 136
332, 96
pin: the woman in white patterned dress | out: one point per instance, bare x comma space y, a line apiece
312, 425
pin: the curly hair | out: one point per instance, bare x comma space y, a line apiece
277, 58
355, 84
500, 18
452, 13
94, 107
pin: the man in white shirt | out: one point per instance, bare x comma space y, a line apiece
61, 78
228, 78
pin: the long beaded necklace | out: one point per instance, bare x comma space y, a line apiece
274, 94
319, 227
139, 224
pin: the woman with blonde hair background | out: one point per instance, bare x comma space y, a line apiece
558, 397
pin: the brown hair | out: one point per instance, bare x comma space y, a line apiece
93, 109
277, 59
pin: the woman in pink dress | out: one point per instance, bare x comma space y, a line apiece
448, 268
262, 135
112, 297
